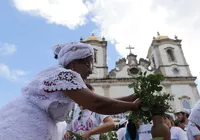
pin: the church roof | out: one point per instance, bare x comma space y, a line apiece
92, 38
161, 37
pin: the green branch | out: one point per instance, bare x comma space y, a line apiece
154, 102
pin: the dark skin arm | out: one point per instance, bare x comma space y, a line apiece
101, 104
129, 98
197, 137
108, 125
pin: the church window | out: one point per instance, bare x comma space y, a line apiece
95, 55
170, 55
175, 70
186, 104
134, 70
154, 64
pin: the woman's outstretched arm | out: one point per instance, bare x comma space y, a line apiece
101, 104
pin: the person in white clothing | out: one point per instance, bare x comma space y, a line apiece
144, 131
61, 129
193, 131
180, 123
183, 115
122, 131
193, 127
52, 93
176, 132
88, 123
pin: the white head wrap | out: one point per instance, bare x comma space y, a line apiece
72, 51
195, 114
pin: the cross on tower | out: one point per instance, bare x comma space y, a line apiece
130, 48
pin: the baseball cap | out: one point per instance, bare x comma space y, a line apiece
187, 111
122, 121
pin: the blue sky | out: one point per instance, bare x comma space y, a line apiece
29, 28
30, 40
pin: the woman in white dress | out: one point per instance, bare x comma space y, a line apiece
50, 96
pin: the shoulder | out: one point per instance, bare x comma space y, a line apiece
59, 78
192, 129
190, 126
177, 129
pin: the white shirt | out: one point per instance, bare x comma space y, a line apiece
145, 131
88, 121
177, 133
121, 133
61, 129
192, 131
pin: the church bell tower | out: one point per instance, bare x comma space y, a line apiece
100, 69
167, 57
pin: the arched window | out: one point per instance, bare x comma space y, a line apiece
170, 55
95, 55
153, 60
186, 104
175, 71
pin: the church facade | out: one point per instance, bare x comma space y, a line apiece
165, 56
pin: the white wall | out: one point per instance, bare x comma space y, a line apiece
100, 58
119, 91
177, 53
123, 73
99, 90
153, 53
172, 64
182, 90
97, 73
182, 71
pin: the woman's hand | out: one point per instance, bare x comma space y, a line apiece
136, 104
86, 134
67, 135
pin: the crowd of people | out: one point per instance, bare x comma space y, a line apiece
58, 102
183, 125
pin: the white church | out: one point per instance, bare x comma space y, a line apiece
165, 56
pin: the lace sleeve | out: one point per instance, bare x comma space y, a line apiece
63, 80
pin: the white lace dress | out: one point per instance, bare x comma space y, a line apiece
34, 115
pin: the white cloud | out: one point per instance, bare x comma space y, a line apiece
135, 22
7, 49
128, 22
70, 13
11, 75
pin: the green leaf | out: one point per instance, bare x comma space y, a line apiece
159, 88
153, 102
148, 88
146, 108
